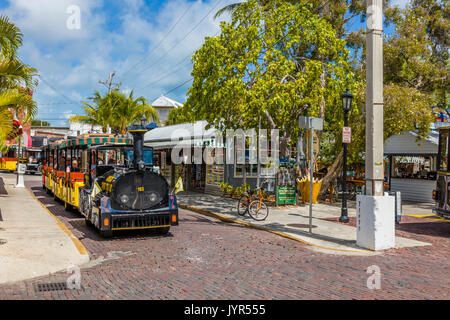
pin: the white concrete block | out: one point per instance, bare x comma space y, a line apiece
375, 222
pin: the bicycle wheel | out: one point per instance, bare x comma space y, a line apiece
242, 205
259, 213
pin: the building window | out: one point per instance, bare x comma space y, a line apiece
414, 167
251, 170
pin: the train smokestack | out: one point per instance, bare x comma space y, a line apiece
138, 132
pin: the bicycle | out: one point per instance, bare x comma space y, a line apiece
255, 207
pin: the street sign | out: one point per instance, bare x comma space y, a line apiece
346, 135
312, 124
286, 195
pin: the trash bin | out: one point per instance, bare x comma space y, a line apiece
304, 188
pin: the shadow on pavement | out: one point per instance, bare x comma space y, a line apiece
436, 228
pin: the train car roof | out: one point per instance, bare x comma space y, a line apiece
88, 141
107, 146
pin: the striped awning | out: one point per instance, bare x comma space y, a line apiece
91, 141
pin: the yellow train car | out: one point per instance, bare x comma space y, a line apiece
61, 170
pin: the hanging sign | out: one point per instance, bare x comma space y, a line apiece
346, 135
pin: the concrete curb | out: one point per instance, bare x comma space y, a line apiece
282, 234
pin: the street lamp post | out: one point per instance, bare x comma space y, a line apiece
347, 102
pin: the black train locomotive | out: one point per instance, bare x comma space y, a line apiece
111, 182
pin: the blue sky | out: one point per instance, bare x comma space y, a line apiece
125, 36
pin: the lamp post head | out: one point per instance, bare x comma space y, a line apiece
347, 100
143, 120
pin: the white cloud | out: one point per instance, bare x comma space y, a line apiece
73, 61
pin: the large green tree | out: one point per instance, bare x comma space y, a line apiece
270, 62
415, 77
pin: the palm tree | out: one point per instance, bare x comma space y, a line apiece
97, 114
12, 101
115, 110
130, 110
231, 8
14, 76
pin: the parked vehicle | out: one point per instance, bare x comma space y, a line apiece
441, 195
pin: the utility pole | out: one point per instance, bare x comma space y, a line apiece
108, 83
375, 212
374, 99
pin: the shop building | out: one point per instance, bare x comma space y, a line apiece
197, 174
412, 165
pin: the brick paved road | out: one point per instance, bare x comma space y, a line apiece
203, 258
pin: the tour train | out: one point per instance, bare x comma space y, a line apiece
441, 194
110, 181
31, 158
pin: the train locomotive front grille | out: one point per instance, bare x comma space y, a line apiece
140, 222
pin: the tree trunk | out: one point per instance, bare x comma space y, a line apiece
333, 173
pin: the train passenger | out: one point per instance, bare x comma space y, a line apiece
75, 167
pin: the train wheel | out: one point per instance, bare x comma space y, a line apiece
88, 222
106, 233
68, 206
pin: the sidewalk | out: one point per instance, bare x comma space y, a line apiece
32, 241
293, 222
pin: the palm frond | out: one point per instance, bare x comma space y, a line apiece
15, 99
10, 38
15, 74
231, 8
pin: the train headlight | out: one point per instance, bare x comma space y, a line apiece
124, 198
153, 197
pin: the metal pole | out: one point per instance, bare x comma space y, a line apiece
374, 99
257, 154
18, 160
344, 212
311, 173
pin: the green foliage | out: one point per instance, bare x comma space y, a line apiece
40, 123
269, 62
226, 188
415, 77
179, 115
416, 56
